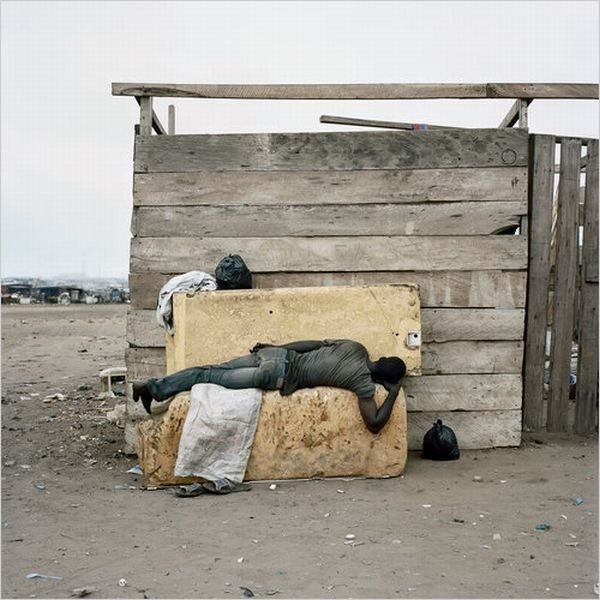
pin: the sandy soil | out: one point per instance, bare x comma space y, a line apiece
71, 510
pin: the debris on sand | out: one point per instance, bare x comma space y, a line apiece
81, 592
51, 397
42, 576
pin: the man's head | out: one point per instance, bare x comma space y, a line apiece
388, 368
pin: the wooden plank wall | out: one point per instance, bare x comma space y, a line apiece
349, 209
572, 321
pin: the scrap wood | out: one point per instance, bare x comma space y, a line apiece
385, 124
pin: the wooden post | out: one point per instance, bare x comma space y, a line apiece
540, 225
171, 121
564, 286
523, 113
513, 114
146, 115
586, 406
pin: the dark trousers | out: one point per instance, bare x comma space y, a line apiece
264, 369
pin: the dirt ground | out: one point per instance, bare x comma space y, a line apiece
70, 509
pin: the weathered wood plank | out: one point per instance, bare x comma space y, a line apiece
353, 91
474, 430
462, 218
586, 402
146, 114
445, 324
358, 91
463, 392
437, 289
171, 120
143, 331
448, 358
542, 90
143, 363
590, 217
337, 120
523, 113
586, 405
438, 325
332, 151
335, 187
564, 287
268, 255
130, 434
540, 224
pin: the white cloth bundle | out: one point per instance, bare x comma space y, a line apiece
218, 432
192, 281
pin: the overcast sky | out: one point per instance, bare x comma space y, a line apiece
67, 142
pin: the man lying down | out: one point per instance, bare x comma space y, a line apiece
304, 364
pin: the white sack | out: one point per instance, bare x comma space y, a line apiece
218, 432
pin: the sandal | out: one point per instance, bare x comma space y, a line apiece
221, 486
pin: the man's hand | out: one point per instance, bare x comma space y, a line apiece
375, 418
258, 346
300, 347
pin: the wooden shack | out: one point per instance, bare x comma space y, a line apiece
427, 207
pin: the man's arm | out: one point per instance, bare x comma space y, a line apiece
303, 346
375, 418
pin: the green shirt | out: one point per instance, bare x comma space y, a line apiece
340, 363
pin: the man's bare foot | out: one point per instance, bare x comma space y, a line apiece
140, 390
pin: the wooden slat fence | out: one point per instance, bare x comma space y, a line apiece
562, 290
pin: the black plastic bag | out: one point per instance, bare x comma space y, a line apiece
233, 274
440, 443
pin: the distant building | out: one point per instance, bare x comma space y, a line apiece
16, 293
92, 291
60, 294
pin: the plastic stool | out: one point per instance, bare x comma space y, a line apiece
107, 375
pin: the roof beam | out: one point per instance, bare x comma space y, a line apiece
360, 91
